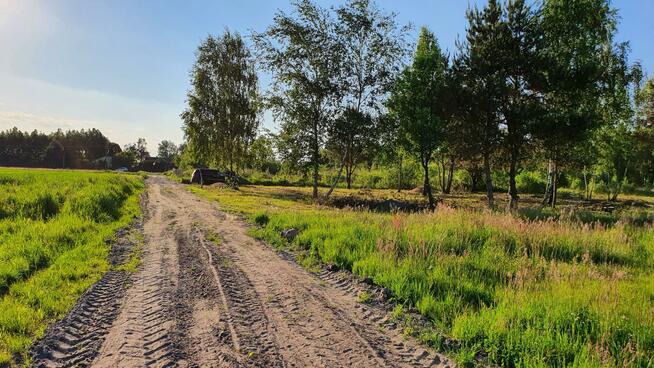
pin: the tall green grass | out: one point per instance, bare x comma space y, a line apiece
523, 293
54, 228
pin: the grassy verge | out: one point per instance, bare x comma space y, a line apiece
523, 293
55, 232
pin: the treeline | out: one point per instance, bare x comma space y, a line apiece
80, 149
71, 149
530, 86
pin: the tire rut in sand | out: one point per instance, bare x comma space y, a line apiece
76, 339
143, 333
223, 319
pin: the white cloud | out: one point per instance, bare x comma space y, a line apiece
27, 121
31, 104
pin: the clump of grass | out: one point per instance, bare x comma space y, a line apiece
364, 297
261, 219
134, 260
53, 231
213, 237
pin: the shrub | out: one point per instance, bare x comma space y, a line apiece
531, 182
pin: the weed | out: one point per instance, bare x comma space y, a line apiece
213, 237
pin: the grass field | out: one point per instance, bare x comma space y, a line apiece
54, 232
545, 288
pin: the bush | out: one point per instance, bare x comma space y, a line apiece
531, 182
410, 174
461, 181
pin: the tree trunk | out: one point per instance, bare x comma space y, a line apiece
488, 179
348, 175
586, 188
315, 158
551, 190
618, 189
592, 188
475, 176
399, 176
555, 187
513, 190
548, 196
441, 172
315, 180
338, 178
450, 175
427, 185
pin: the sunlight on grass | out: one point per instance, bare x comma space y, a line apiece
54, 227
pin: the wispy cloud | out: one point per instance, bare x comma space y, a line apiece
27, 121
32, 104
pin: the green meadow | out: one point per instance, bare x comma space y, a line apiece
511, 290
55, 232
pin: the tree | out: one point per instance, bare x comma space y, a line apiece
498, 66
614, 144
374, 48
645, 104
304, 56
73, 148
584, 80
138, 151
416, 103
167, 150
262, 154
519, 96
481, 86
644, 133
221, 119
352, 139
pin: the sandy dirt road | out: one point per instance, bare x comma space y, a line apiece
208, 295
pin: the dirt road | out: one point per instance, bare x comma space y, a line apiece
208, 295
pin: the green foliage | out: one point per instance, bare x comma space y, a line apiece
373, 50
221, 119
261, 156
645, 104
136, 152
614, 147
167, 150
71, 149
364, 297
54, 227
417, 104
531, 182
304, 55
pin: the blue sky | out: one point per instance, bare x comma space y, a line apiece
122, 65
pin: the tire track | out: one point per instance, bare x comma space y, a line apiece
76, 339
246, 314
228, 318
142, 335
